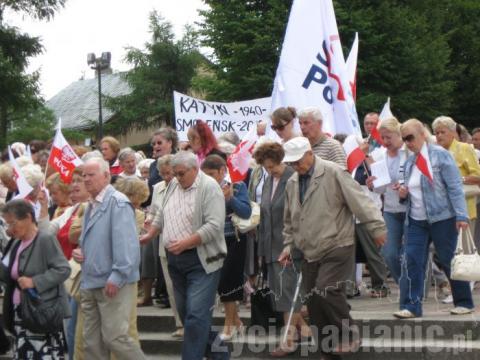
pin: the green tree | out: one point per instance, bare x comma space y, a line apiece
246, 38
166, 65
19, 91
32, 124
422, 53
463, 25
403, 54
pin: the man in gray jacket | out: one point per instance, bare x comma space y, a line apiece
110, 256
320, 201
191, 220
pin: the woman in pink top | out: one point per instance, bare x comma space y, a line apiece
33, 265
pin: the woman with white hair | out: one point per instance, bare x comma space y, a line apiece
144, 168
128, 162
445, 129
34, 176
8, 180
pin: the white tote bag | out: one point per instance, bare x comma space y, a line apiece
464, 266
245, 225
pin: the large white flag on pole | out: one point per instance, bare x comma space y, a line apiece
312, 71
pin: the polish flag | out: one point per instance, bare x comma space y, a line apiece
351, 65
355, 156
384, 114
24, 188
62, 157
423, 163
238, 162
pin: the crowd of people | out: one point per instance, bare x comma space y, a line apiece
132, 231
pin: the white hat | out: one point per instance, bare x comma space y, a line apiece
296, 148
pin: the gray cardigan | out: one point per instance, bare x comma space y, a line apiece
47, 266
208, 221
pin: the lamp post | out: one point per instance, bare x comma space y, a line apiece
99, 64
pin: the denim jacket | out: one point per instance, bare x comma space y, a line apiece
444, 198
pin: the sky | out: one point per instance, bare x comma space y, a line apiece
85, 26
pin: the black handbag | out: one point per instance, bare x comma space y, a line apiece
262, 307
41, 315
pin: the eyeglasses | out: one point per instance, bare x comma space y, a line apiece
12, 224
278, 127
408, 138
157, 143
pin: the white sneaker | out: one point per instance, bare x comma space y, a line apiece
448, 300
460, 310
404, 314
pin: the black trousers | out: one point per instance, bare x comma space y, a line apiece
324, 283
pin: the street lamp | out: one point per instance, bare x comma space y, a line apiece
99, 64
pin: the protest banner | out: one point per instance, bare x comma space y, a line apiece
238, 116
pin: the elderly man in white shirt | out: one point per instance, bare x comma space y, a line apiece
191, 219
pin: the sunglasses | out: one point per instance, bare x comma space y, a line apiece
278, 127
408, 138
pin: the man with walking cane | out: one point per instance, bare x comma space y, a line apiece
320, 202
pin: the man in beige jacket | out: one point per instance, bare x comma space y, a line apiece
320, 204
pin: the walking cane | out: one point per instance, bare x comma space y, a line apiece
290, 315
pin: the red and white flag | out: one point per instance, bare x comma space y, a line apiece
62, 157
384, 114
423, 163
351, 66
238, 162
23, 186
355, 156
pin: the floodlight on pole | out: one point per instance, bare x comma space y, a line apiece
99, 64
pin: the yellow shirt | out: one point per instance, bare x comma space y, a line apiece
467, 163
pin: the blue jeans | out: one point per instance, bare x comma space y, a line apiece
195, 292
392, 250
444, 237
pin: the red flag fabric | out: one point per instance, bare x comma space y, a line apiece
375, 134
355, 155
238, 162
423, 163
62, 158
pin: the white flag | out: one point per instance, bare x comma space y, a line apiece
312, 71
23, 186
386, 112
352, 67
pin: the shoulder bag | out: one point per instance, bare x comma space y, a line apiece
245, 225
465, 267
41, 315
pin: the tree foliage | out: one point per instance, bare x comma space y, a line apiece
32, 124
246, 38
19, 91
424, 54
164, 66
403, 54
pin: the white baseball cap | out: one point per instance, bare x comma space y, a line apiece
296, 148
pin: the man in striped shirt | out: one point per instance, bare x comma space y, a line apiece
325, 147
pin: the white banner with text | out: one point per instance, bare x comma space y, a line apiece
222, 117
